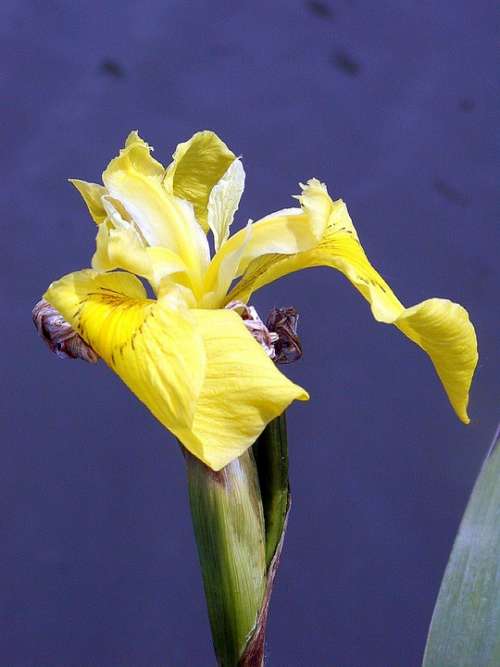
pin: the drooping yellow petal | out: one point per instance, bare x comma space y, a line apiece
200, 373
135, 179
198, 164
91, 194
224, 201
243, 390
154, 349
286, 232
438, 326
339, 248
443, 329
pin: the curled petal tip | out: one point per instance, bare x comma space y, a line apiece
59, 336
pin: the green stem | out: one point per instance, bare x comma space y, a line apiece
228, 524
239, 519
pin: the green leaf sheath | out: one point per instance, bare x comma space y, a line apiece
271, 456
228, 524
465, 626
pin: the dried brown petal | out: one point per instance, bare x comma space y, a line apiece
283, 322
59, 335
255, 326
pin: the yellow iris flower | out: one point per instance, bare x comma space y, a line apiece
191, 361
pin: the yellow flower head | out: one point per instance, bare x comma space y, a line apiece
191, 361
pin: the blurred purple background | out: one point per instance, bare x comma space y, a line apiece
393, 105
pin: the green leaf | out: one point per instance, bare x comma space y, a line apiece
271, 456
465, 626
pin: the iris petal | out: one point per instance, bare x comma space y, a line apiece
443, 329
135, 179
224, 200
200, 373
242, 391
91, 194
198, 164
438, 326
287, 232
122, 249
155, 350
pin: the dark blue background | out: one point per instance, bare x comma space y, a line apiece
392, 104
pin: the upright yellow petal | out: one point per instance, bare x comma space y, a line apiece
155, 350
91, 194
286, 232
135, 179
123, 249
121, 245
198, 164
242, 391
224, 201
438, 326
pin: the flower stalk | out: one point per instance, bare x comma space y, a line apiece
239, 518
228, 522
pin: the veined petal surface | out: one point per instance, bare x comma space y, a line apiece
198, 164
242, 391
199, 372
438, 326
224, 201
286, 232
135, 179
155, 350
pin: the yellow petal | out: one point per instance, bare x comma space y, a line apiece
438, 326
443, 329
242, 391
200, 373
224, 201
286, 232
155, 350
91, 194
135, 179
133, 138
120, 245
198, 164
123, 249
